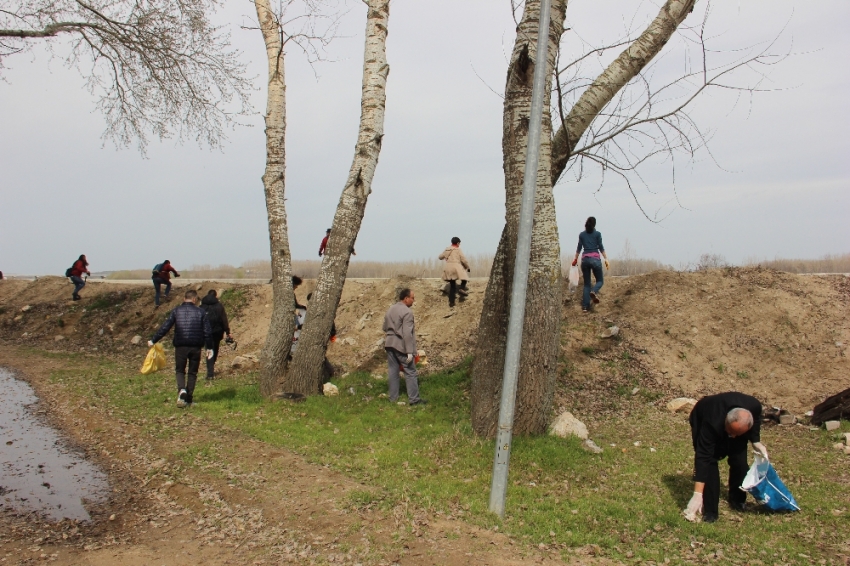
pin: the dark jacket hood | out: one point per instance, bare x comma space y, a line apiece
209, 300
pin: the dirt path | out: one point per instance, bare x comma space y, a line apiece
249, 504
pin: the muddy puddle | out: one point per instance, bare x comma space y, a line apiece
38, 471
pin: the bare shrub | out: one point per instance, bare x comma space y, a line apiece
827, 264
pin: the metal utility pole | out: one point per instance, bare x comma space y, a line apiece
499, 486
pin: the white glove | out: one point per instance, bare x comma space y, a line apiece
409, 358
210, 354
761, 449
150, 343
694, 507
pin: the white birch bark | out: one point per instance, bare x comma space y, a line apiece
305, 373
538, 362
617, 75
279, 338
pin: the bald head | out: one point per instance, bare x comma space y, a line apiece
738, 422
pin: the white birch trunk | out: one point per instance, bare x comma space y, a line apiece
538, 362
305, 373
617, 75
279, 338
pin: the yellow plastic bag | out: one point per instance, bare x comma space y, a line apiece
155, 360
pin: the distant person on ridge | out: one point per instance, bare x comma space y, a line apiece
76, 275
192, 331
721, 426
455, 269
591, 241
400, 344
161, 275
219, 324
324, 243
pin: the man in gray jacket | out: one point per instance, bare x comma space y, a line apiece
400, 344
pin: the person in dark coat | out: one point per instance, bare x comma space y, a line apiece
80, 266
192, 331
219, 324
160, 276
721, 426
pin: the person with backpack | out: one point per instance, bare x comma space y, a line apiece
217, 317
75, 274
192, 332
456, 269
161, 275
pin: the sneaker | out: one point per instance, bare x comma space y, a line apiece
181, 399
585, 311
75, 297
594, 297
419, 402
709, 518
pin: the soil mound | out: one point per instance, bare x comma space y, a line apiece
778, 336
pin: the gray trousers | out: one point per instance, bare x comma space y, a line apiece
411, 378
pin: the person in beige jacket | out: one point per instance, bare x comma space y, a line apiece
400, 344
455, 269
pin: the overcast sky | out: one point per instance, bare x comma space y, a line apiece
777, 184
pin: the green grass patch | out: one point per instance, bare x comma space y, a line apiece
627, 500
234, 300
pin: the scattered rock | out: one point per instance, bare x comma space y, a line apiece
58, 338
838, 446
350, 341
377, 375
352, 391
380, 342
100, 332
847, 450
787, 418
635, 391
19, 318
112, 517
361, 324
136, 340
244, 362
567, 425
330, 389
26, 308
591, 446
681, 405
832, 425
610, 332
847, 438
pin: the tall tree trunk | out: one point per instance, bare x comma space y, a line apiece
538, 362
282, 326
618, 74
305, 373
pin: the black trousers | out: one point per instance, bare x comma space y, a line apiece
182, 356
737, 470
211, 361
453, 290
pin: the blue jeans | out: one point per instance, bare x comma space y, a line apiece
78, 283
157, 282
589, 264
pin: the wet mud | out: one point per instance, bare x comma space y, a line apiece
39, 472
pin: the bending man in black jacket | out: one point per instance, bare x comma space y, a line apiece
192, 332
721, 426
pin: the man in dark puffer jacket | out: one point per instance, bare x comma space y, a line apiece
219, 324
192, 332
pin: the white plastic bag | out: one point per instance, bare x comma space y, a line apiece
573, 278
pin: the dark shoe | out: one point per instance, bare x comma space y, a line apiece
709, 518
739, 506
451, 305
594, 297
75, 297
419, 402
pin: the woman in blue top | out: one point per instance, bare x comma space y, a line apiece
591, 241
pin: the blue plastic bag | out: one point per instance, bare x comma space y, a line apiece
763, 483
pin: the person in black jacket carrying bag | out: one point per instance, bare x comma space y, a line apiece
219, 324
192, 331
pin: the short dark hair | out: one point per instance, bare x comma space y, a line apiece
328, 231
590, 224
455, 240
166, 261
190, 294
403, 294
296, 281
212, 292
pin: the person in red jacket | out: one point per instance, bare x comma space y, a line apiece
80, 266
161, 275
324, 244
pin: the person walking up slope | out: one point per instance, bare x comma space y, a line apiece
161, 275
219, 324
591, 241
400, 344
75, 273
192, 331
455, 269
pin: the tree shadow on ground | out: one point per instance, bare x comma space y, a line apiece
222, 395
681, 488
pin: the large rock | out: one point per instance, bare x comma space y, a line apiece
330, 389
832, 425
567, 425
681, 405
